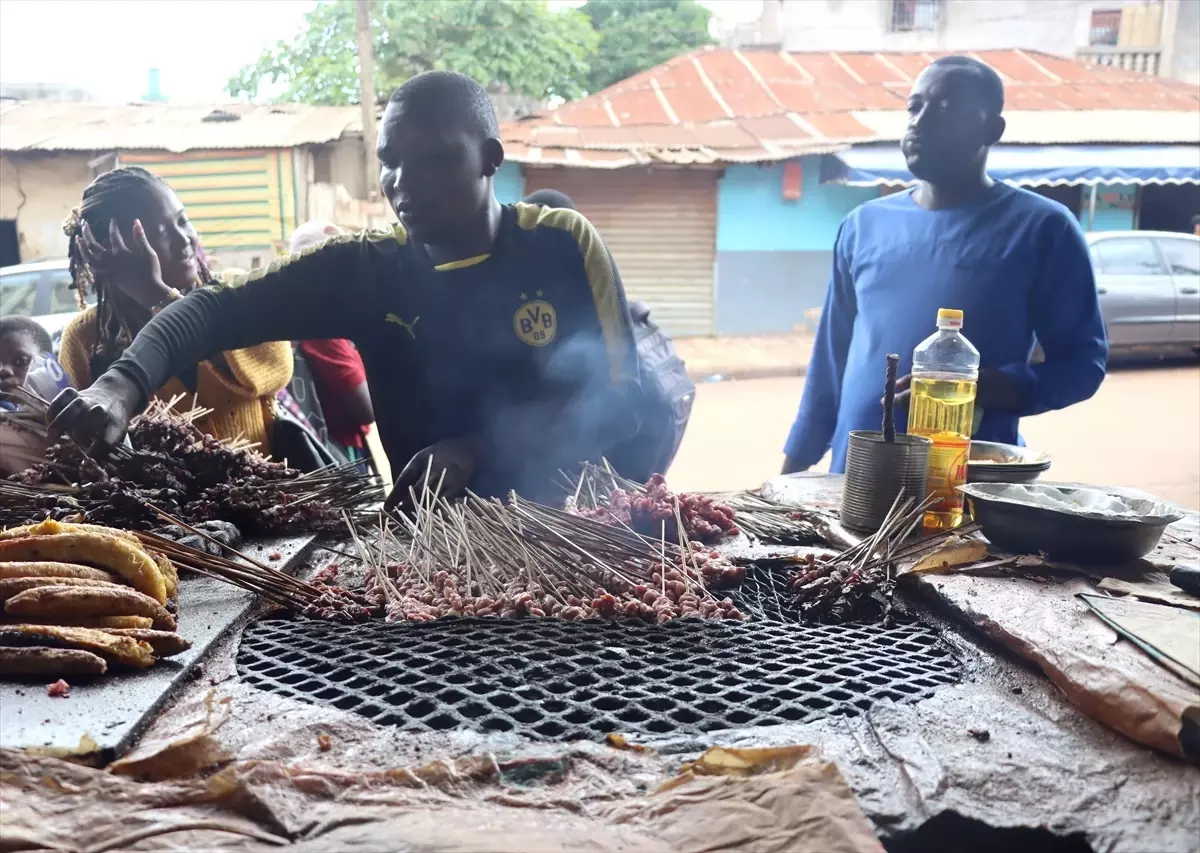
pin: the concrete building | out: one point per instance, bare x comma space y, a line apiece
719, 178
247, 174
1157, 36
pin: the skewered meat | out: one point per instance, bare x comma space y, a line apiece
521, 559
190, 476
225, 534
651, 512
52, 541
43, 660
59, 689
55, 570
337, 604
165, 643
830, 590
123, 650
66, 604
671, 596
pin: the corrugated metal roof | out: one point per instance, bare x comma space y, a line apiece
722, 105
1050, 127
52, 126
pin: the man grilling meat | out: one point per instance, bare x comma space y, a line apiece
497, 341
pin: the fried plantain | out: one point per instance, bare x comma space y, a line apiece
50, 527
69, 603
83, 621
104, 550
101, 622
116, 649
11, 586
164, 643
55, 570
169, 573
43, 660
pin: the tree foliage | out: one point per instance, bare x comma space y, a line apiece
519, 46
639, 34
513, 45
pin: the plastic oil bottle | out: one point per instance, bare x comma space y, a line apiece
942, 408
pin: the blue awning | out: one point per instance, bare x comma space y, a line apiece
1038, 165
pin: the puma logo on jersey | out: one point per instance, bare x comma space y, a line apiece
408, 327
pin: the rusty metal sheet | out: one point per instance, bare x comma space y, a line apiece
745, 103
51, 126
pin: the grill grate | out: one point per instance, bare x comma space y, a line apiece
764, 593
559, 680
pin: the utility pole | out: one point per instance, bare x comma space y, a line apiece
366, 92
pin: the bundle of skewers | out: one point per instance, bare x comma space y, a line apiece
859, 583
774, 523
170, 463
519, 559
600, 493
314, 599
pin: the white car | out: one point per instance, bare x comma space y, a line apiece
1149, 285
41, 290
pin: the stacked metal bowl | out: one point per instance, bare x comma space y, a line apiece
992, 462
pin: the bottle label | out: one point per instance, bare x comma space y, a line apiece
947, 471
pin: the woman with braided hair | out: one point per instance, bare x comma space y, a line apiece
139, 218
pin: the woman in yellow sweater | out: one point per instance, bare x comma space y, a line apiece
131, 206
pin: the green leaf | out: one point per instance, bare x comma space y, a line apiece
520, 46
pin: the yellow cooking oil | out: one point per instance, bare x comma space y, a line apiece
943, 410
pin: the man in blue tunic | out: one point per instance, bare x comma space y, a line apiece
1014, 262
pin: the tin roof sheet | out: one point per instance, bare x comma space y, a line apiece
53, 126
756, 105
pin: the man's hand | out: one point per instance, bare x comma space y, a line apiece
97, 417
903, 392
134, 269
450, 463
793, 466
995, 390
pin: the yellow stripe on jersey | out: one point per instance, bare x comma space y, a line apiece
463, 264
598, 265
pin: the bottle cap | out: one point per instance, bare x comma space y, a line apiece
949, 318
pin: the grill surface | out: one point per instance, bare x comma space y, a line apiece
559, 680
764, 593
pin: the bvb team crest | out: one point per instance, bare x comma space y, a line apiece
536, 323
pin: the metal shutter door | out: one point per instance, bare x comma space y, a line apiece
661, 227
238, 201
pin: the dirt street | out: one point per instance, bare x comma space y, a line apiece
1142, 430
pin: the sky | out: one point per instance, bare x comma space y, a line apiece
108, 46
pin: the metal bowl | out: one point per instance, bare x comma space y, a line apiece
994, 462
1072, 536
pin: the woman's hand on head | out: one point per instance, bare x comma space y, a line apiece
133, 268
97, 417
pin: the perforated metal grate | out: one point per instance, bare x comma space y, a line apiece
559, 680
764, 593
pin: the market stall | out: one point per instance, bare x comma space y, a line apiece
635, 671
